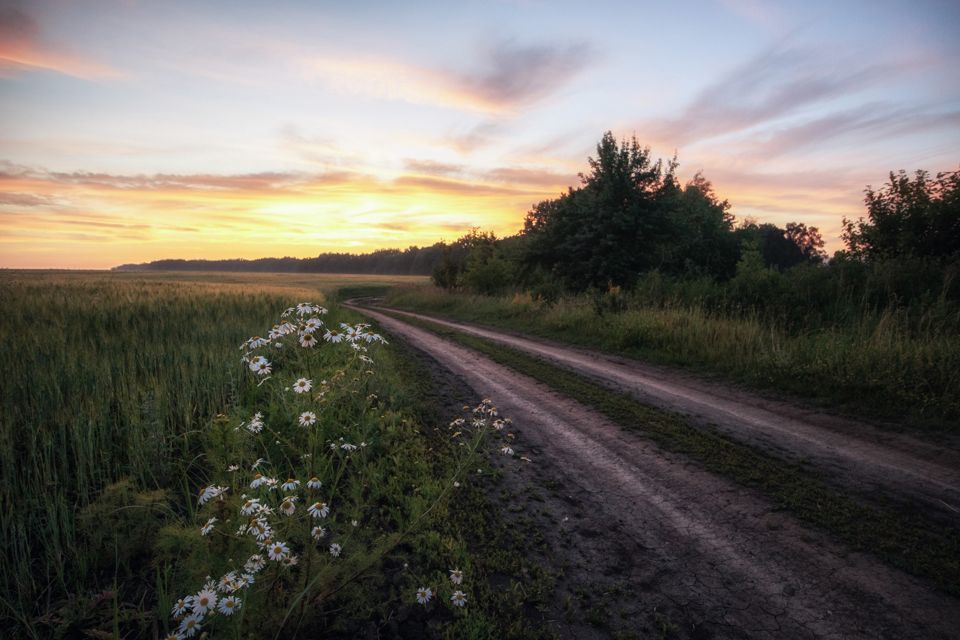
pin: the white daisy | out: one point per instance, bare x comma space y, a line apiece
456, 576
332, 335
290, 485
181, 606
207, 528
312, 324
335, 550
302, 385
287, 506
190, 625
459, 598
507, 451
204, 602
229, 604
314, 483
307, 419
424, 595
319, 510
317, 533
278, 551
307, 340
250, 506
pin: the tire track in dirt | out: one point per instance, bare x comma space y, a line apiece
849, 453
730, 564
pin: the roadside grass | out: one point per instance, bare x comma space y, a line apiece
908, 541
122, 399
880, 364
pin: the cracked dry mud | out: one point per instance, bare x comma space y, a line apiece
849, 453
674, 543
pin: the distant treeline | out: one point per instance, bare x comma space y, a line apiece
413, 261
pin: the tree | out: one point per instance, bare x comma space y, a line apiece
917, 218
610, 228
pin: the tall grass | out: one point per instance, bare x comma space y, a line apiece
886, 363
123, 396
104, 380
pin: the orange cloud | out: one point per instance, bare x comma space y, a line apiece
56, 219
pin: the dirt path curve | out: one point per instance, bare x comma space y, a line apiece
719, 553
850, 453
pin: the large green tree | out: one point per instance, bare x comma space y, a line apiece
917, 217
610, 228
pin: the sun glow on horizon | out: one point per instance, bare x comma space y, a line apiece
140, 131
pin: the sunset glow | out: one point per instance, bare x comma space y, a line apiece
138, 131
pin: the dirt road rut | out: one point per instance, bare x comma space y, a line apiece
730, 565
850, 453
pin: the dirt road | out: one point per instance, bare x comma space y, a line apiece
718, 558
846, 452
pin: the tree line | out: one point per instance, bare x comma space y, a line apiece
631, 226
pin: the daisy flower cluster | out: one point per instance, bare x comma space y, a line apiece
274, 515
458, 598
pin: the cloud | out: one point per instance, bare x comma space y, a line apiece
773, 85
872, 121
508, 77
432, 168
22, 49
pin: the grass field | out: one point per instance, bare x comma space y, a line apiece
125, 397
878, 365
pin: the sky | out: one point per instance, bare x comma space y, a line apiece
133, 131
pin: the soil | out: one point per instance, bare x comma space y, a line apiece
651, 545
871, 461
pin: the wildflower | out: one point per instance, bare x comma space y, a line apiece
302, 385
257, 463
307, 419
507, 451
314, 483
307, 340
290, 485
256, 423
287, 506
424, 594
190, 625
278, 551
204, 601
291, 561
317, 533
332, 335
255, 343
207, 528
229, 604
335, 550
211, 492
250, 506
355, 523
312, 324
348, 447
261, 366
233, 467
456, 576
304, 308
459, 598
319, 510
181, 606
258, 481
456, 484
254, 564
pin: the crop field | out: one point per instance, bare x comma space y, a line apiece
145, 455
